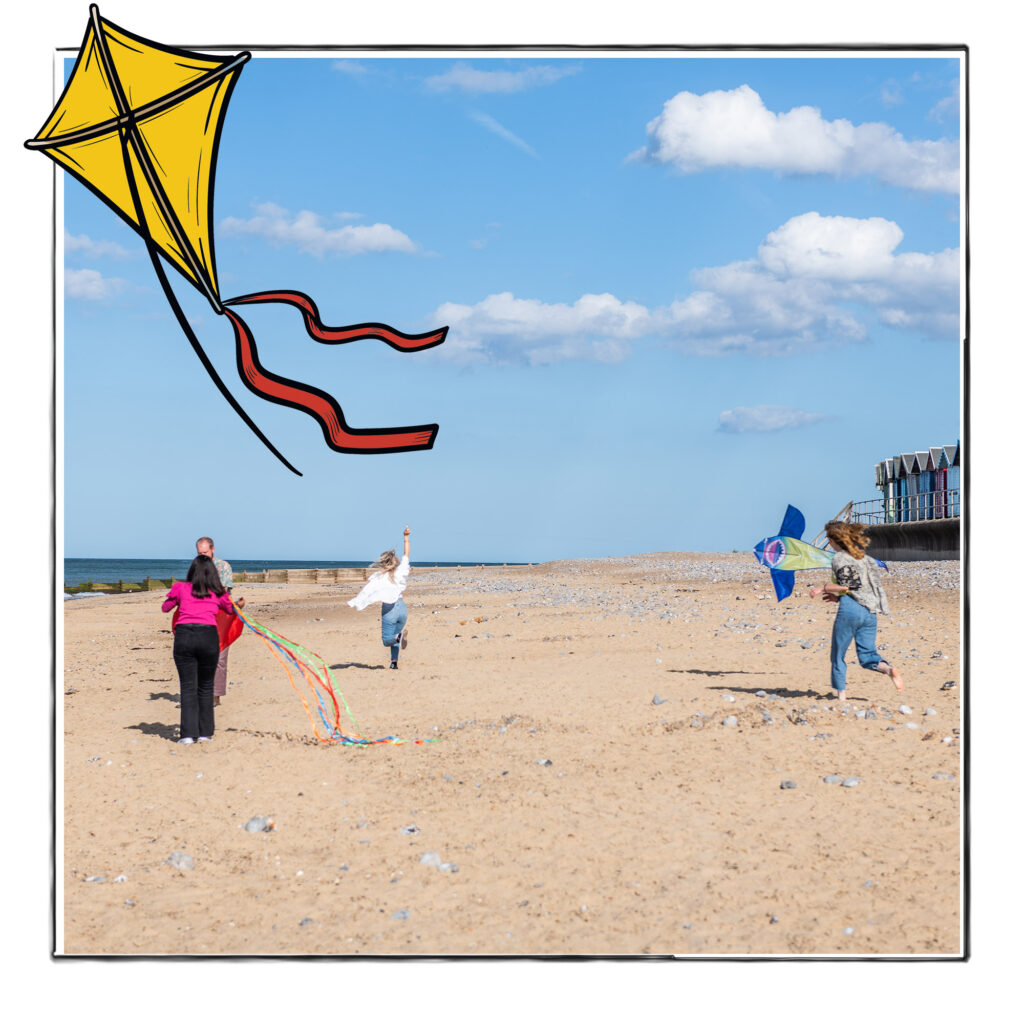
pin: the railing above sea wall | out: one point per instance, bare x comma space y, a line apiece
908, 508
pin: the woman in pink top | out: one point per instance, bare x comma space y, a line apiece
196, 644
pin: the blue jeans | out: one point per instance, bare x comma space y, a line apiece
392, 621
853, 622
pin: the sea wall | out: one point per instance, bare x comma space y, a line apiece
929, 541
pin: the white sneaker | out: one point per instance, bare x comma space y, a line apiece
205, 739
186, 740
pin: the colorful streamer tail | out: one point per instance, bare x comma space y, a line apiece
327, 700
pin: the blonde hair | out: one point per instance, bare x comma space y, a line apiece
388, 562
849, 537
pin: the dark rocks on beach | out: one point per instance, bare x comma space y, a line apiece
410, 830
787, 784
950, 685
544, 762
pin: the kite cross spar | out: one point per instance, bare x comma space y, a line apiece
138, 124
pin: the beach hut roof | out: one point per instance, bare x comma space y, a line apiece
910, 463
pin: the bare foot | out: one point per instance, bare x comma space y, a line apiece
841, 695
893, 673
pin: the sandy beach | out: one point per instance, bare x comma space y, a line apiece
630, 758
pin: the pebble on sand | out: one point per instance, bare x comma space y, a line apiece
787, 784
944, 777
851, 782
833, 780
259, 823
181, 861
659, 700
730, 721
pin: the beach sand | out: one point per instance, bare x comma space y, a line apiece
570, 813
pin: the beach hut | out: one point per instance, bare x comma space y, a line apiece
920, 485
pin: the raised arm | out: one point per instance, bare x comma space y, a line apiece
406, 534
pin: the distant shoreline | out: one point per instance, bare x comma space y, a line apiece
134, 571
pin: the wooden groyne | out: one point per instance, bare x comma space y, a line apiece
120, 587
343, 575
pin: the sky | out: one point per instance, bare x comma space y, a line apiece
682, 292
34, 483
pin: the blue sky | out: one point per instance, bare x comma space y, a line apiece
682, 292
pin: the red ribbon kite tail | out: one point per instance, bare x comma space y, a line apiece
320, 405
341, 335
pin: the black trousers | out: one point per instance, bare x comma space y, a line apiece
196, 649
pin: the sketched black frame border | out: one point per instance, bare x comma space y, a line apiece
596, 49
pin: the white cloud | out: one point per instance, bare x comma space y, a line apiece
810, 286
948, 108
84, 245
504, 329
500, 130
350, 67
91, 285
467, 78
763, 418
306, 230
735, 129
892, 94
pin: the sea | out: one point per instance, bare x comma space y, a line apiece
135, 570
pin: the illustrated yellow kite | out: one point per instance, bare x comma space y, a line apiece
139, 125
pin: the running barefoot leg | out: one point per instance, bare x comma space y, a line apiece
894, 674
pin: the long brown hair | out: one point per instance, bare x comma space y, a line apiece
849, 537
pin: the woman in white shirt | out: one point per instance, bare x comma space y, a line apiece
387, 586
